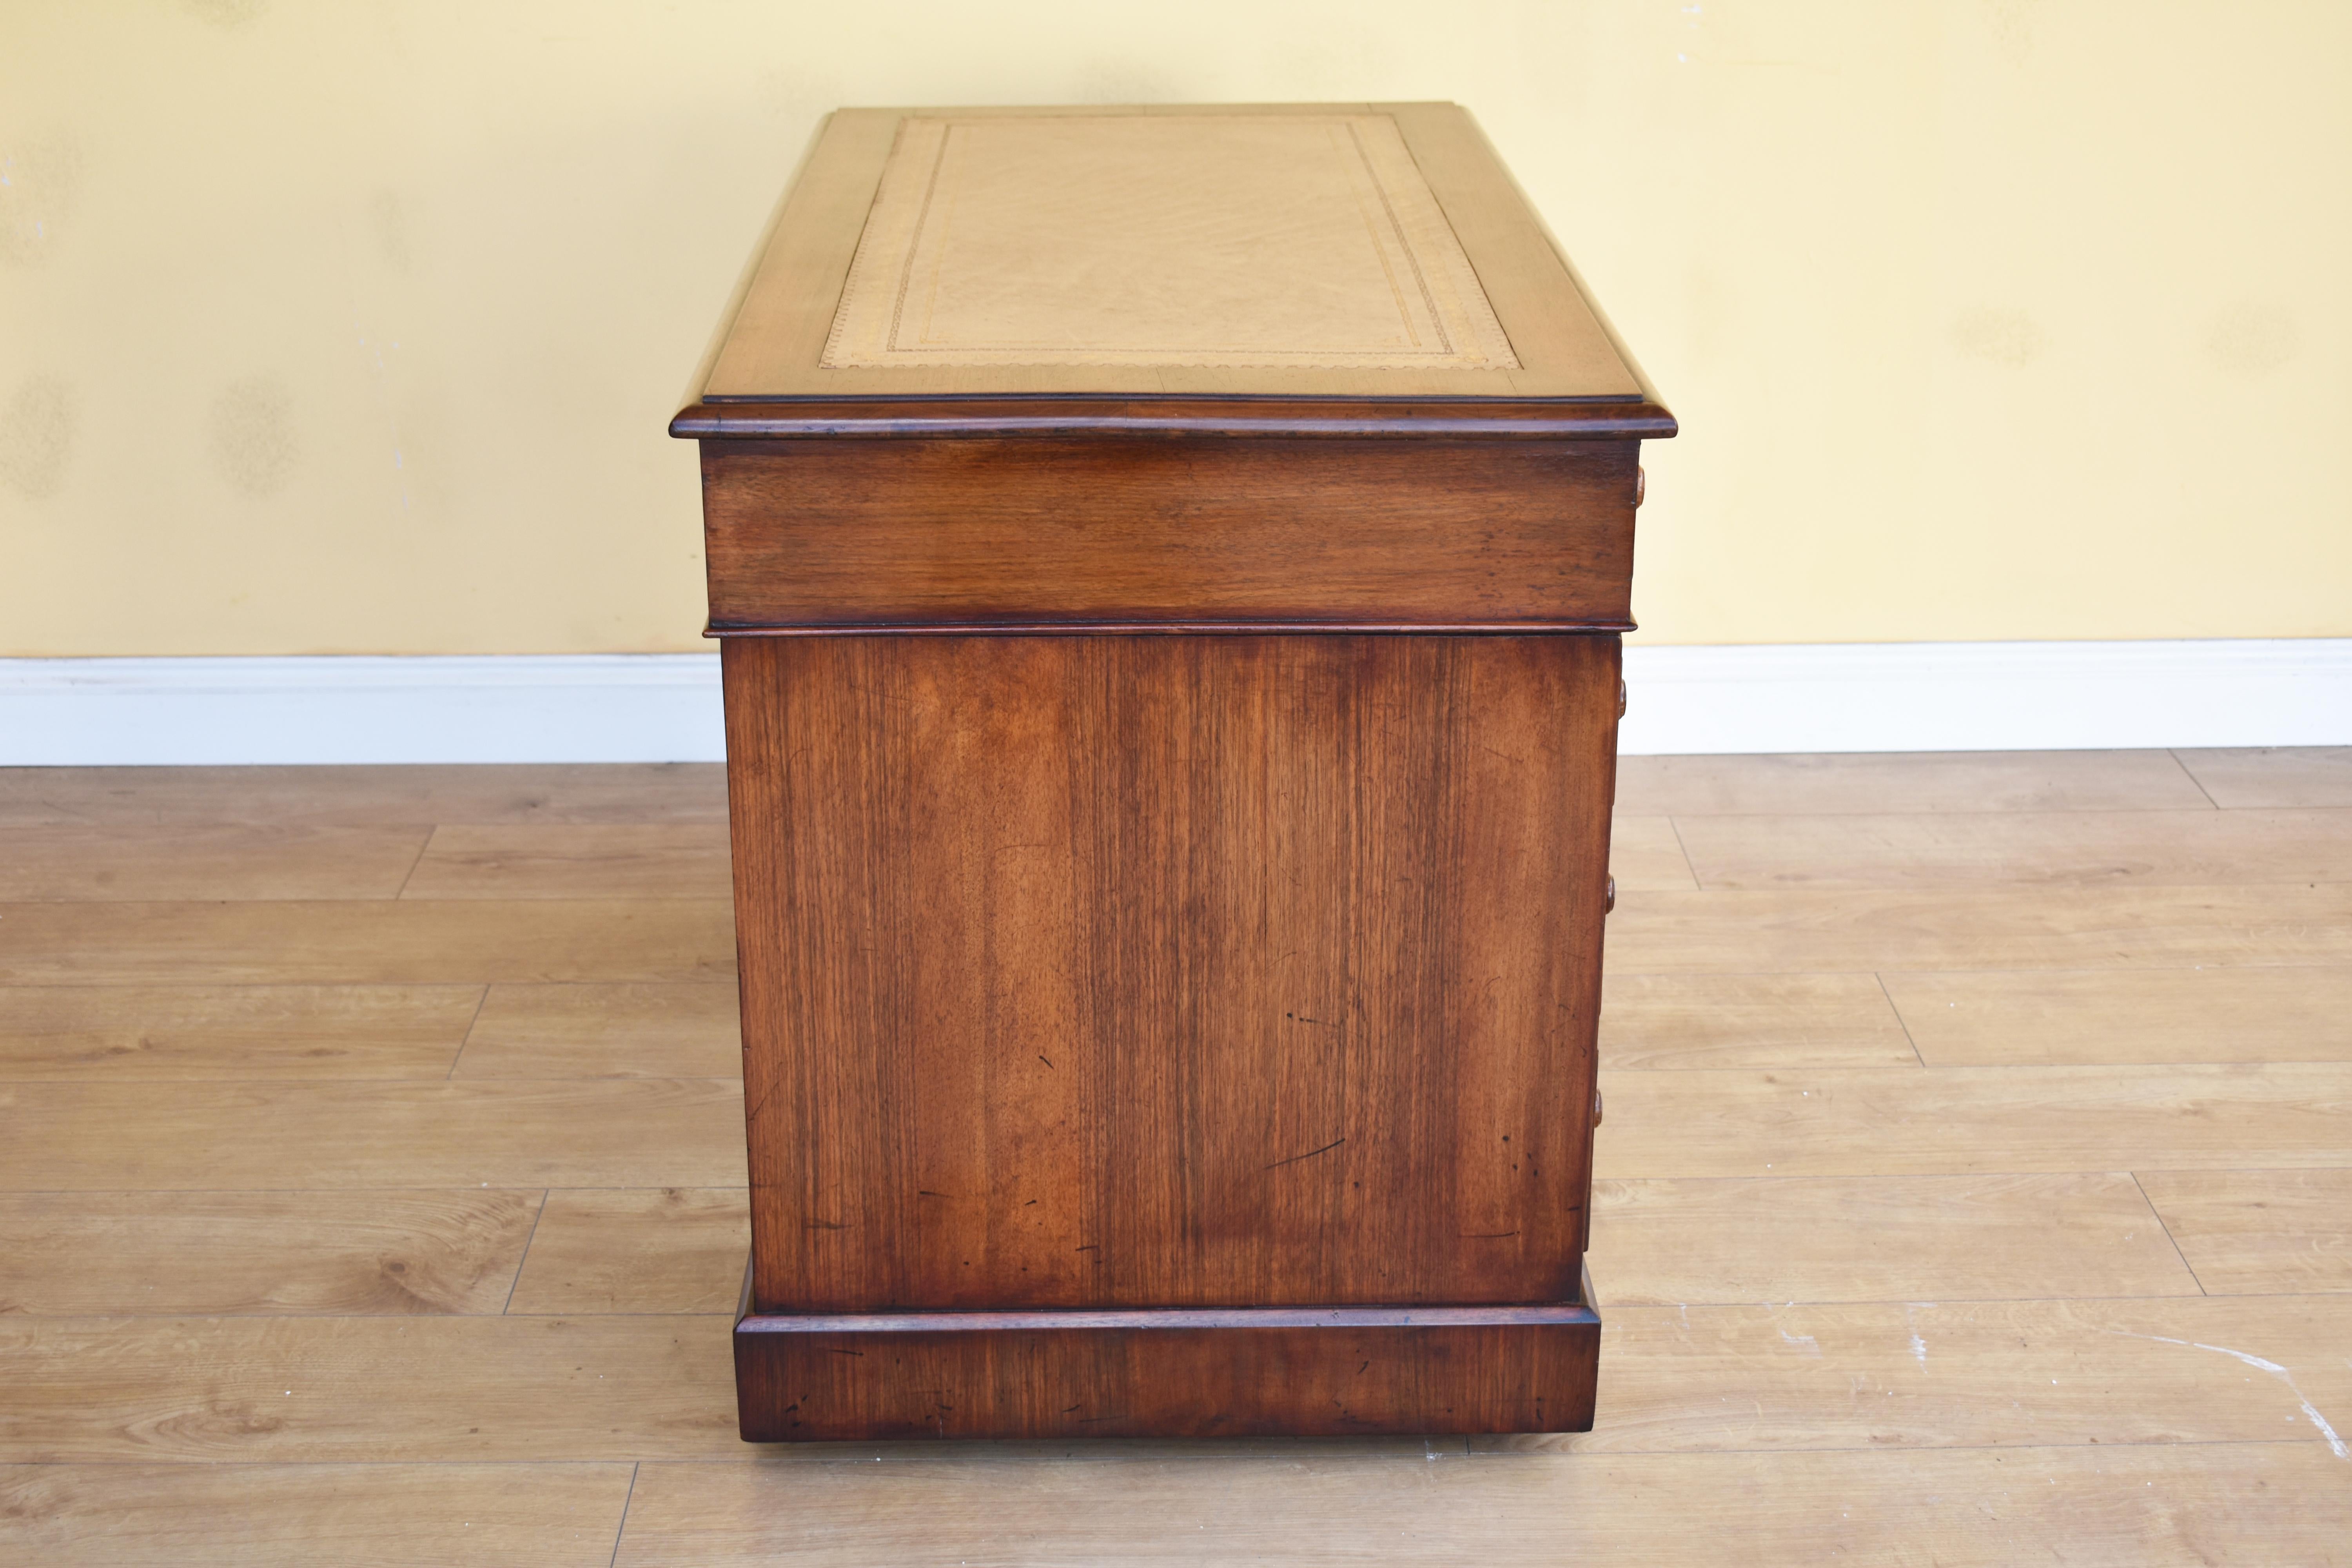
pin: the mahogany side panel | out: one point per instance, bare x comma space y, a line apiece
853, 532
1169, 972
1532, 1371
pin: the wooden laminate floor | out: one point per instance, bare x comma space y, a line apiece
1975, 1188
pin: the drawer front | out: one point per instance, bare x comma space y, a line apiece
1169, 972
1197, 532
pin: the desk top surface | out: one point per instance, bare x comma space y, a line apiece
1341, 251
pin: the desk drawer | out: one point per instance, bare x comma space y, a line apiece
1197, 533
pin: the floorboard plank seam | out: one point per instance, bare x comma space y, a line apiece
467, 1037
622, 1528
522, 1262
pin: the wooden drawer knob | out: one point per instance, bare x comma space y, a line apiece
1611, 904
1641, 483
1596, 1107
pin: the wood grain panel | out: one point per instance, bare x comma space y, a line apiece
2249, 1505
2030, 1018
373, 1389
297, 1516
366, 798
634, 1132
2255, 1232
121, 860
384, 942
1820, 929
571, 860
822, 534
2021, 849
1863, 1238
1327, 1376
233, 1031
606, 1031
1829, 1121
665, 1250
1666, 1021
149, 1253
1115, 971
1644, 853
1882, 783
2274, 775
1977, 1374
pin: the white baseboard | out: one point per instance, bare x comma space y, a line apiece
1988, 697
505, 708
641, 708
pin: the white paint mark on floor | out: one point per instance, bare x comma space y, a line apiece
2334, 1444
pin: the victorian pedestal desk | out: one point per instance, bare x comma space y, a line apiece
1169, 565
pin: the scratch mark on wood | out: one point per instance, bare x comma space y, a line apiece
1309, 1155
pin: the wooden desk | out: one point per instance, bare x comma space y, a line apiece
1169, 564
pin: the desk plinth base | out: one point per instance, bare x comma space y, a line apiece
1207, 1372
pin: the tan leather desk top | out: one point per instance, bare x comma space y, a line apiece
1338, 250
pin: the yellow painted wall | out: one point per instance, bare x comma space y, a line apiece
352, 325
